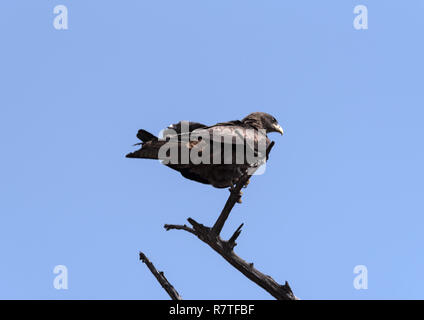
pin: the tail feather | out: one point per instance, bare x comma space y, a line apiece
145, 136
150, 146
144, 153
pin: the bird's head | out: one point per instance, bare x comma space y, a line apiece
262, 120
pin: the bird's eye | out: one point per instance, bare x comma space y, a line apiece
274, 120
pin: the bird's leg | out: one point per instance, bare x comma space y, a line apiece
232, 189
246, 184
239, 199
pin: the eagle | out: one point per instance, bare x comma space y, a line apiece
218, 155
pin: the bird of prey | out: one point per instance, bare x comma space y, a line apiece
218, 155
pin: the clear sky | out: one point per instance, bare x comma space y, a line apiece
343, 186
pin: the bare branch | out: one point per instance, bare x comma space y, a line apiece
211, 236
231, 201
161, 278
232, 241
225, 249
234, 197
178, 227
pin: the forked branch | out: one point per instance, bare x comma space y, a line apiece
225, 248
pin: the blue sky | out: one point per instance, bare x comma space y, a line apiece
343, 187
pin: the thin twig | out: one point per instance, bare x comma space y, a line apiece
179, 227
161, 278
232, 240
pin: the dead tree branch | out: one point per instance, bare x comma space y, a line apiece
159, 275
211, 236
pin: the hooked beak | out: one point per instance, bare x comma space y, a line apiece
278, 128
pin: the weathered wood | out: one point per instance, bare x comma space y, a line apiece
161, 278
225, 249
211, 236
